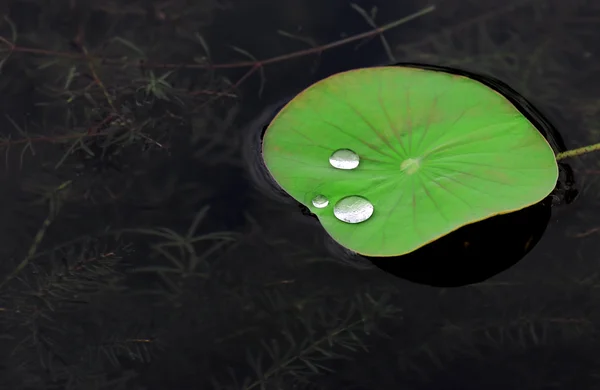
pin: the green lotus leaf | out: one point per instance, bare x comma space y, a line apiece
425, 153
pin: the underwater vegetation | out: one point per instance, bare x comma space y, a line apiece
145, 245
393, 158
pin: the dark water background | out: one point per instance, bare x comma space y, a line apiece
137, 251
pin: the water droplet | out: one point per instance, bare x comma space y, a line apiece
320, 201
344, 159
353, 209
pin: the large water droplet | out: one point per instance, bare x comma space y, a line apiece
344, 159
353, 209
320, 201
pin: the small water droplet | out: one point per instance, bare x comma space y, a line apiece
320, 201
353, 209
344, 159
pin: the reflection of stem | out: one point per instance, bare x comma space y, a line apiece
578, 151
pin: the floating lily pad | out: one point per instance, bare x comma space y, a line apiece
427, 153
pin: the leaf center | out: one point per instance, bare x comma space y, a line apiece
410, 165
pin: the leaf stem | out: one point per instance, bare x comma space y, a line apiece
578, 152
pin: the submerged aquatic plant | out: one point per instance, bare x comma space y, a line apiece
392, 158
104, 107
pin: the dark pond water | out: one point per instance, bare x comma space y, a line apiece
145, 247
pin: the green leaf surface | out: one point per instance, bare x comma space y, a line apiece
437, 151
